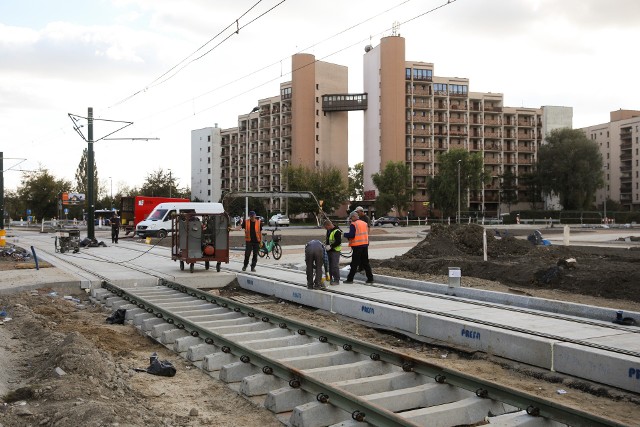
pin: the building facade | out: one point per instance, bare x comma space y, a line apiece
205, 148
414, 116
286, 130
619, 145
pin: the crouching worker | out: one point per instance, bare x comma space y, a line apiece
315, 257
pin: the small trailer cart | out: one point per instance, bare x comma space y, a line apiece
200, 237
67, 240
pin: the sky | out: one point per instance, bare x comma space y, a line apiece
170, 67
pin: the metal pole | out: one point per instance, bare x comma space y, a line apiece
458, 219
606, 182
246, 183
1, 190
111, 181
90, 196
170, 183
286, 187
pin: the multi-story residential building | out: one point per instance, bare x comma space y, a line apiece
619, 145
290, 129
414, 116
205, 149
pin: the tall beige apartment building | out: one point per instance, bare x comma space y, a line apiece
289, 129
619, 145
414, 115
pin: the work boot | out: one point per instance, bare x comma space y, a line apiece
253, 269
244, 268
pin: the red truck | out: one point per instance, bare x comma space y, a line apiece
134, 209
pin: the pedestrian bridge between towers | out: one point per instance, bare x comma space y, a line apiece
344, 102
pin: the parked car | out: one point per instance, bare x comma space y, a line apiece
393, 220
279, 220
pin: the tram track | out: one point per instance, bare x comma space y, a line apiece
305, 374
539, 313
308, 374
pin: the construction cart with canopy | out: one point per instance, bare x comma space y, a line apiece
200, 237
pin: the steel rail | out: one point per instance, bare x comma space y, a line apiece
535, 406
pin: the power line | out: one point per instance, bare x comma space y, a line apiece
158, 81
304, 66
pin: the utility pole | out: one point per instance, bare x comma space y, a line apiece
91, 234
170, 183
2, 190
90, 160
458, 219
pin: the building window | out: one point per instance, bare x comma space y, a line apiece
208, 149
440, 88
317, 86
209, 160
208, 138
317, 150
458, 89
317, 137
422, 74
285, 93
317, 112
317, 125
208, 192
209, 181
209, 171
407, 73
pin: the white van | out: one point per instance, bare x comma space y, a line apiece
158, 223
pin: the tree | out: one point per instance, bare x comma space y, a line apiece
394, 188
41, 191
443, 188
531, 181
326, 183
570, 165
356, 181
82, 182
508, 188
162, 184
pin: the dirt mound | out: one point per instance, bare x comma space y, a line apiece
458, 240
601, 272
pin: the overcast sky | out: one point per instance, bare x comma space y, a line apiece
125, 58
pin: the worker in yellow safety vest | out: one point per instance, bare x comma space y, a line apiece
358, 236
334, 247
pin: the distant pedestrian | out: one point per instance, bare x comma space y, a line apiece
334, 248
253, 238
115, 227
315, 258
358, 236
363, 216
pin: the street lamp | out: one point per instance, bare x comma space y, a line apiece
170, 183
458, 219
111, 180
286, 187
246, 183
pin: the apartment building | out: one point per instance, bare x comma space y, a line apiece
414, 115
289, 129
619, 145
205, 148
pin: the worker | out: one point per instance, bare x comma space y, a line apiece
252, 237
358, 236
334, 247
363, 216
115, 227
315, 257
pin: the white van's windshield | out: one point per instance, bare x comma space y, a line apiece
158, 214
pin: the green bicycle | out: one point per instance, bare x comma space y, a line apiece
271, 246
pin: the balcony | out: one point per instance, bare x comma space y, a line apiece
492, 160
422, 159
440, 118
455, 132
522, 135
421, 119
488, 134
461, 120
492, 147
456, 146
419, 132
492, 121
421, 172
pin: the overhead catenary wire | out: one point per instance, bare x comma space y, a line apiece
252, 74
235, 22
